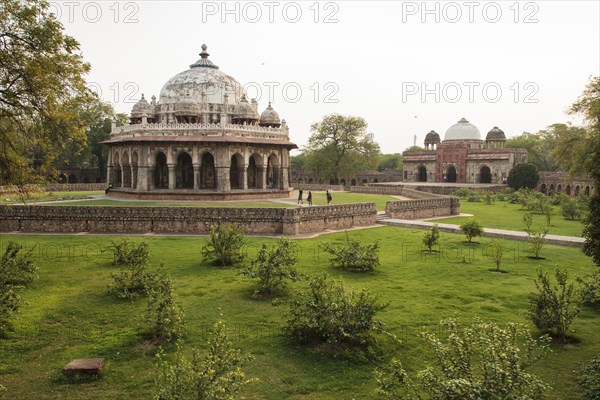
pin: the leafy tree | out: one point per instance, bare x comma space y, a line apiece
431, 238
352, 255
588, 106
478, 360
572, 148
164, 314
338, 141
552, 309
497, 249
590, 289
327, 313
523, 175
273, 266
590, 379
471, 229
415, 148
43, 89
217, 376
571, 209
539, 146
225, 245
390, 161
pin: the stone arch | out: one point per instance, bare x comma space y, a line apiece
485, 174
559, 188
353, 182
543, 188
551, 188
568, 190
273, 171
255, 165
134, 169
126, 170
421, 173
236, 171
161, 171
577, 188
184, 171
343, 182
72, 178
375, 180
586, 191
208, 176
451, 174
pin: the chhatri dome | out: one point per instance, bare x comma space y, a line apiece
463, 130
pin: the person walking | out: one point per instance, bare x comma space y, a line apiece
328, 195
300, 197
309, 198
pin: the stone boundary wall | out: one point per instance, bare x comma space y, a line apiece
395, 191
423, 208
319, 187
449, 190
58, 187
183, 220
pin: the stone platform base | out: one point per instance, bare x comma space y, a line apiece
200, 195
84, 366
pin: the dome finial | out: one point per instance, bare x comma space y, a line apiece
204, 54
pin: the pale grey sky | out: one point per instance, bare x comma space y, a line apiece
407, 67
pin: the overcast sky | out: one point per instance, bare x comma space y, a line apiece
406, 67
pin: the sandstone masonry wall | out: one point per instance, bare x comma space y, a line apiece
425, 208
183, 220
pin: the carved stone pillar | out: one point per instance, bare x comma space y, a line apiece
245, 178
171, 168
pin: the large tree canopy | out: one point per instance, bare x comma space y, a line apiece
340, 146
42, 91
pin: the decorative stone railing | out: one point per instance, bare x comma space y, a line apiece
319, 187
183, 220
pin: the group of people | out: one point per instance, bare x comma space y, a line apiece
309, 197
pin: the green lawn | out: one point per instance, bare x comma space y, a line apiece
318, 199
503, 215
69, 314
45, 196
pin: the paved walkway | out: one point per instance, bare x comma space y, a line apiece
487, 232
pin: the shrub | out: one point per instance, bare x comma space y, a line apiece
474, 361
590, 289
551, 309
471, 229
273, 266
218, 376
10, 303
590, 379
496, 252
17, 268
164, 315
352, 256
128, 253
225, 245
326, 313
432, 237
133, 281
488, 197
537, 240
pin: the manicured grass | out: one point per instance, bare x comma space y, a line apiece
504, 215
318, 200
70, 314
45, 196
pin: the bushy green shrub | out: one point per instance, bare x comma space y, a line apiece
133, 280
164, 315
352, 255
217, 376
273, 266
17, 267
471, 229
327, 313
129, 253
590, 379
552, 308
225, 245
431, 238
473, 361
590, 289
10, 303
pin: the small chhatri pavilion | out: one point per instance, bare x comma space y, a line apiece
202, 139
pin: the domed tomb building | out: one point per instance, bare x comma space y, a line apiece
202, 139
462, 157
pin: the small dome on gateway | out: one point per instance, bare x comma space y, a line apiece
244, 110
270, 117
140, 108
463, 130
432, 138
496, 134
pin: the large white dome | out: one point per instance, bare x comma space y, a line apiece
463, 130
203, 76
